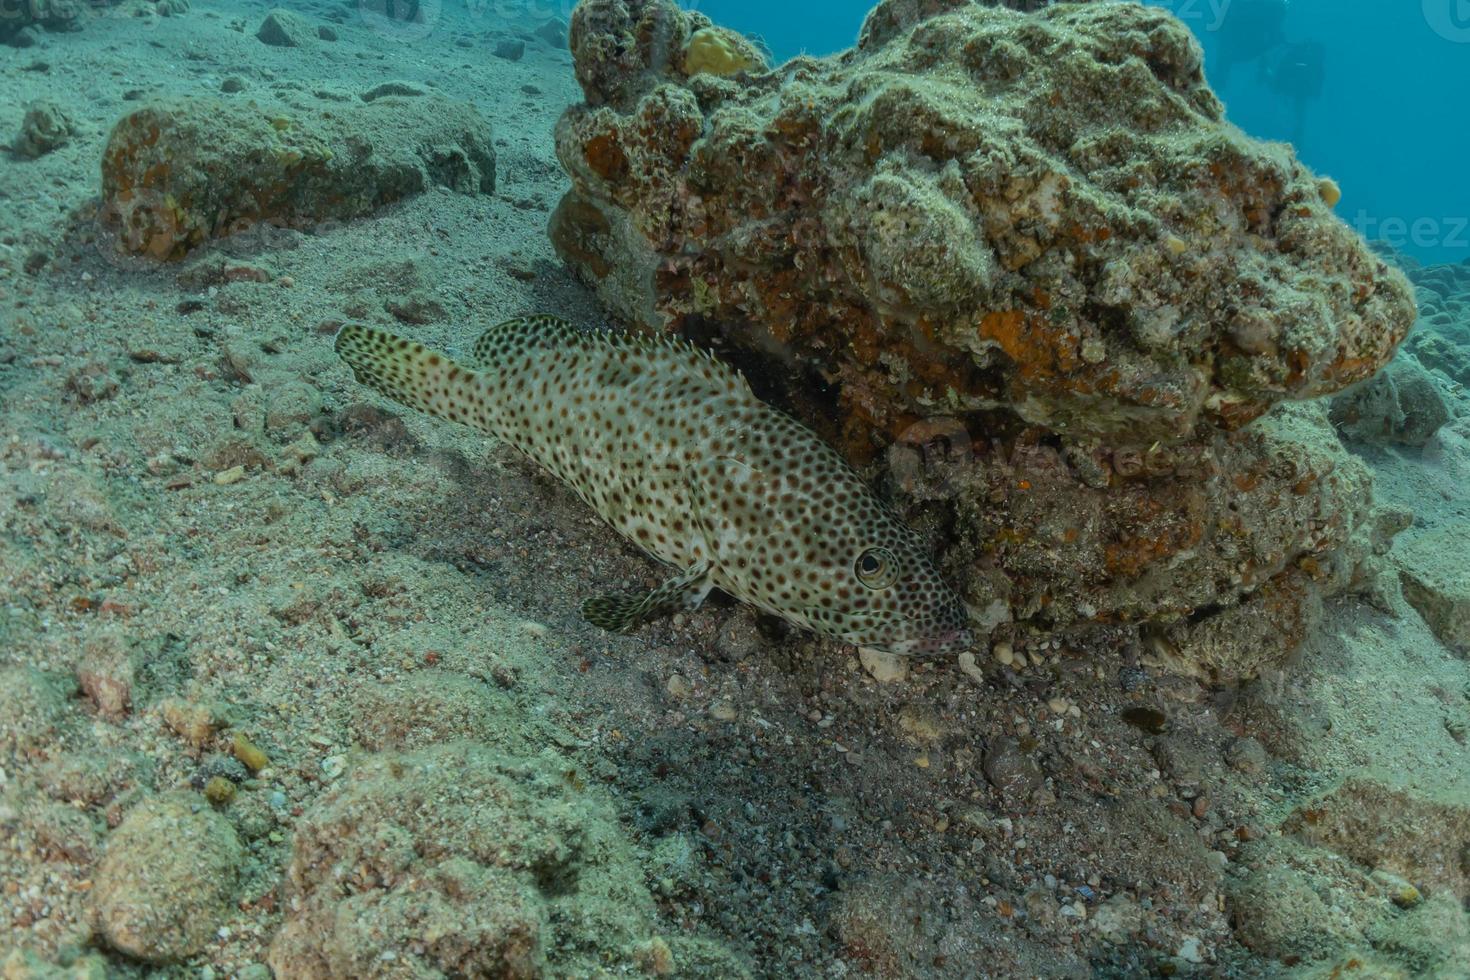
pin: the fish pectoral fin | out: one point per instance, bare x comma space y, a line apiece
621, 612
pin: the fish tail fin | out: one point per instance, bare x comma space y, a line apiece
414, 375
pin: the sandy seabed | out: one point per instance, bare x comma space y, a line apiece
295, 681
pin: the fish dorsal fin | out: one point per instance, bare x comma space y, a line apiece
509, 338
715, 370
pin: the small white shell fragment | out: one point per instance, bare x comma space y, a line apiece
885, 668
970, 669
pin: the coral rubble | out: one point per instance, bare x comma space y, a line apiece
1035, 226
458, 860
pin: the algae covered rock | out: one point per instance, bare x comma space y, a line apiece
286, 29
33, 708
177, 174
45, 127
973, 207
1401, 405
1022, 253
1436, 581
460, 860
166, 877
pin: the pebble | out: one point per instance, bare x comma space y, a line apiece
970, 669
232, 475
249, 753
219, 790
678, 687
1012, 772
105, 675
920, 722
194, 723
1004, 653
885, 668
163, 884
1246, 755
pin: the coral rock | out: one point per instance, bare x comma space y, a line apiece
1401, 405
974, 207
1025, 252
1436, 581
162, 886
459, 860
176, 174
286, 29
52, 15
45, 127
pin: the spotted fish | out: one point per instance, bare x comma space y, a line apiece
672, 448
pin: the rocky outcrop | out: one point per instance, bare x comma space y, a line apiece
973, 208
1026, 254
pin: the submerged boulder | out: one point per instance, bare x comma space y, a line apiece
1024, 255
177, 174
973, 208
1401, 405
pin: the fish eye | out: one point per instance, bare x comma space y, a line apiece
876, 568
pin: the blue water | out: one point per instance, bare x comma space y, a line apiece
1389, 124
